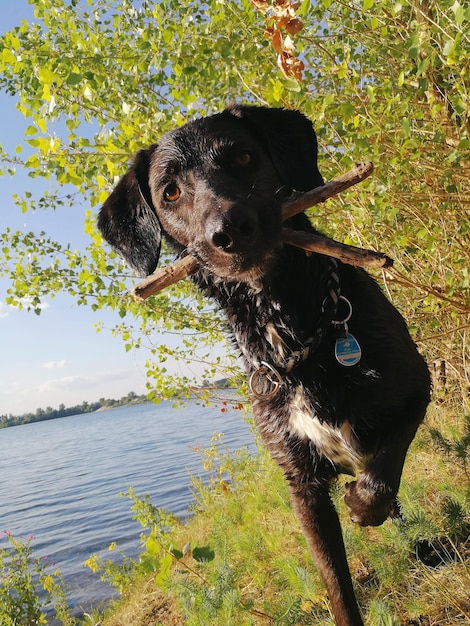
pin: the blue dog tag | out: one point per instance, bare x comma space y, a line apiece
347, 350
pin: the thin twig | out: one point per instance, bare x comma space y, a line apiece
398, 278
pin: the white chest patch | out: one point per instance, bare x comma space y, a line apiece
338, 445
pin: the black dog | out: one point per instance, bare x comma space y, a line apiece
337, 383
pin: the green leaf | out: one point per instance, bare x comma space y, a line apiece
292, 85
176, 553
347, 110
149, 563
31, 130
412, 45
46, 75
42, 124
153, 546
459, 12
406, 126
163, 575
203, 554
74, 79
8, 57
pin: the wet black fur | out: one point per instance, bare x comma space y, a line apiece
228, 216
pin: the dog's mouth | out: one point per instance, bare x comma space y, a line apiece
240, 242
248, 266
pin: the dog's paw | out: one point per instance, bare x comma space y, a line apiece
368, 504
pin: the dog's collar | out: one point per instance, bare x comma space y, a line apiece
266, 378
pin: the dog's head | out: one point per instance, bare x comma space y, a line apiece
213, 187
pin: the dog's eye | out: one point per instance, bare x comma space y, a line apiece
172, 193
243, 159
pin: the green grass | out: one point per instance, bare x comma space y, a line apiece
241, 559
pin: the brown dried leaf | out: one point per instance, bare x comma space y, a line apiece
277, 42
294, 26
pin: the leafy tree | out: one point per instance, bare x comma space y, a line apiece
383, 81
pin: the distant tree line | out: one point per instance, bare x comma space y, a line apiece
85, 407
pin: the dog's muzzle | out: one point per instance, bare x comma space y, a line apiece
233, 232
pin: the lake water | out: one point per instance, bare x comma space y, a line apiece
60, 480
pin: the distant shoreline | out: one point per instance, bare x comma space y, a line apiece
118, 406
103, 404
42, 415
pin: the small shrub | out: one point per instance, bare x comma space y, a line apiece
457, 449
27, 585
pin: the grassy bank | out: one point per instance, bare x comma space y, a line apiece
241, 559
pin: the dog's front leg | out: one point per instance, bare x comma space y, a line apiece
371, 499
320, 524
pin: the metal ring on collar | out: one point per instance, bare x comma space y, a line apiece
269, 373
348, 316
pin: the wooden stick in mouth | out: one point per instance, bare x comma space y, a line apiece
360, 257
165, 276
310, 242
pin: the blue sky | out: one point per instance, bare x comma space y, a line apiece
56, 357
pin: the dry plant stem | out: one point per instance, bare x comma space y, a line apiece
182, 268
400, 279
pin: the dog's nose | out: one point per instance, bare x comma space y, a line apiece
233, 232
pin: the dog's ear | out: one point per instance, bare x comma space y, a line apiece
291, 141
128, 220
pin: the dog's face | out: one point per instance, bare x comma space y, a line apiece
214, 187
217, 194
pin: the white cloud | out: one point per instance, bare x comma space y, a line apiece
81, 383
69, 390
55, 384
26, 303
48, 365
